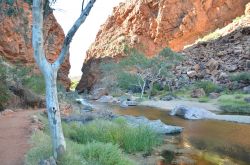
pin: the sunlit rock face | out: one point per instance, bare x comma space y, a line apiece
16, 37
151, 25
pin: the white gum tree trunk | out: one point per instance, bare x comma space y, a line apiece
52, 106
49, 70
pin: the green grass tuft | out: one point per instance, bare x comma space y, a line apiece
36, 83
42, 148
242, 76
204, 99
94, 153
131, 139
234, 103
97, 153
208, 86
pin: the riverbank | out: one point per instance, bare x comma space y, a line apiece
169, 105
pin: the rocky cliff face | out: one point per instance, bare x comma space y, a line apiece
151, 25
15, 37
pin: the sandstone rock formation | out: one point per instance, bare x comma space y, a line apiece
150, 26
15, 37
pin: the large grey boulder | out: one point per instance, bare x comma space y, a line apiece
156, 125
125, 104
191, 113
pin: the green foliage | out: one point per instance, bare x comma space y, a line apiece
11, 11
235, 103
25, 76
131, 139
10, 2
126, 80
41, 148
4, 91
204, 99
208, 86
97, 153
134, 70
158, 90
91, 153
73, 84
35, 83
241, 76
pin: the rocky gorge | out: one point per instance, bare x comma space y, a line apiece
150, 26
15, 37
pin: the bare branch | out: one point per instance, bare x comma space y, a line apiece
37, 35
71, 33
82, 4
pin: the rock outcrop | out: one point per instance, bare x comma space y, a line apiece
15, 37
216, 59
150, 26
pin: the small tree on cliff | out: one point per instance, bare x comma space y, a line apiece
49, 70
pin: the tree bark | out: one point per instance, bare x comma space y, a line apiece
151, 85
52, 105
143, 88
50, 70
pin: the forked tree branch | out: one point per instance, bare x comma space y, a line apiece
71, 33
37, 35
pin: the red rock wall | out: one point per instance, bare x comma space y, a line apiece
15, 38
151, 25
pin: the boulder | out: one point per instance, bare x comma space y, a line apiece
131, 103
231, 68
191, 113
168, 98
223, 75
156, 125
28, 97
106, 99
123, 104
246, 89
212, 65
7, 112
197, 93
98, 93
191, 73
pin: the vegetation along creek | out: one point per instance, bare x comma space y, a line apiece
217, 141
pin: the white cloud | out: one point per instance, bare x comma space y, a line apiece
66, 12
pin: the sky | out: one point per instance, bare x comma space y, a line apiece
67, 11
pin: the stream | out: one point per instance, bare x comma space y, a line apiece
218, 142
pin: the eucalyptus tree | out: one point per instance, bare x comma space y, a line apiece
49, 70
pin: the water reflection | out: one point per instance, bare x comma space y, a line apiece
227, 140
